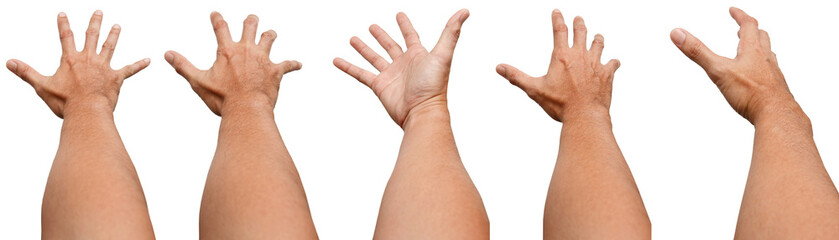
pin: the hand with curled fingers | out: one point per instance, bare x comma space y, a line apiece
752, 82
83, 79
416, 78
577, 82
242, 75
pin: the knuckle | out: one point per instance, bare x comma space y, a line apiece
219, 24
560, 28
92, 31
694, 50
65, 33
109, 46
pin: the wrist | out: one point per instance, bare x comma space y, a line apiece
434, 108
87, 106
785, 114
576, 115
250, 105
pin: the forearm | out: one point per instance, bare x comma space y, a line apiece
253, 188
93, 190
430, 194
592, 192
788, 190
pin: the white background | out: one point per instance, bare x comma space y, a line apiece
689, 152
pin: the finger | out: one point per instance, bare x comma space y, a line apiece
560, 29
134, 68
694, 49
181, 65
249, 29
65, 34
764, 41
371, 56
393, 49
613, 65
92, 33
748, 25
25, 72
408, 32
516, 77
356, 72
267, 40
597, 47
289, 66
220, 27
110, 43
580, 33
448, 39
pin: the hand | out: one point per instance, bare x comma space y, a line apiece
416, 77
752, 82
576, 83
83, 78
243, 74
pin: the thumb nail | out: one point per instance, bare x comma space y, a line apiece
169, 57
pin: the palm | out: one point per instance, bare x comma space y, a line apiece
415, 76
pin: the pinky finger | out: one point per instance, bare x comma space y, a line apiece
25, 72
613, 65
358, 73
289, 66
132, 69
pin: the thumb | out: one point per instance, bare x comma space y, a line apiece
695, 49
24, 71
448, 40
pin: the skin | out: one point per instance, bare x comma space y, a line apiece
789, 194
253, 190
592, 194
430, 194
93, 191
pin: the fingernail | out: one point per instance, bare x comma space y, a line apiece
169, 57
62, 14
501, 70
97, 12
146, 60
556, 10
117, 27
12, 65
678, 36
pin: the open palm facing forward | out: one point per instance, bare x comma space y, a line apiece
416, 77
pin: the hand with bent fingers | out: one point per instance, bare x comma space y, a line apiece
82, 77
242, 72
416, 77
576, 82
752, 82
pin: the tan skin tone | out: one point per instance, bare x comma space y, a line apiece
592, 194
253, 190
430, 194
93, 191
789, 194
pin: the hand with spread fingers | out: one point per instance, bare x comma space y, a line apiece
752, 82
576, 82
592, 194
415, 78
82, 78
429, 195
242, 72
92, 191
788, 194
253, 190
